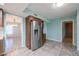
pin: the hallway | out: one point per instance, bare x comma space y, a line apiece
51, 48
68, 33
68, 41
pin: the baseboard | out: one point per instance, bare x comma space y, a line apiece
54, 40
77, 49
74, 44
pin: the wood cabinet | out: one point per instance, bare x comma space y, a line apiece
29, 21
44, 38
1, 18
1, 47
1, 32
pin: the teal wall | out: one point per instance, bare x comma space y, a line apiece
23, 32
54, 28
77, 29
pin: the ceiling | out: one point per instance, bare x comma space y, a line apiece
43, 9
49, 11
15, 8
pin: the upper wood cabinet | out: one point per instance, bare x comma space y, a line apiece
1, 18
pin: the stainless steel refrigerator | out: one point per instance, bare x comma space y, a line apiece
35, 35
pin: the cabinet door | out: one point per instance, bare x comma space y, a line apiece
1, 18
1, 47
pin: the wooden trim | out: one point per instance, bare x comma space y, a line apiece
35, 18
28, 33
2, 26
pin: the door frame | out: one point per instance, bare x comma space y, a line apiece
72, 20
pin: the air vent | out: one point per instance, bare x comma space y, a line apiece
35, 14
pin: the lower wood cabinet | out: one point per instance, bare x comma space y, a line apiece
1, 47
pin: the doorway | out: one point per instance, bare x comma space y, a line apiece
68, 32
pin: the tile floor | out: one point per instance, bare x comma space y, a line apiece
51, 48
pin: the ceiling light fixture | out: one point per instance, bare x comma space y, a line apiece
57, 4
